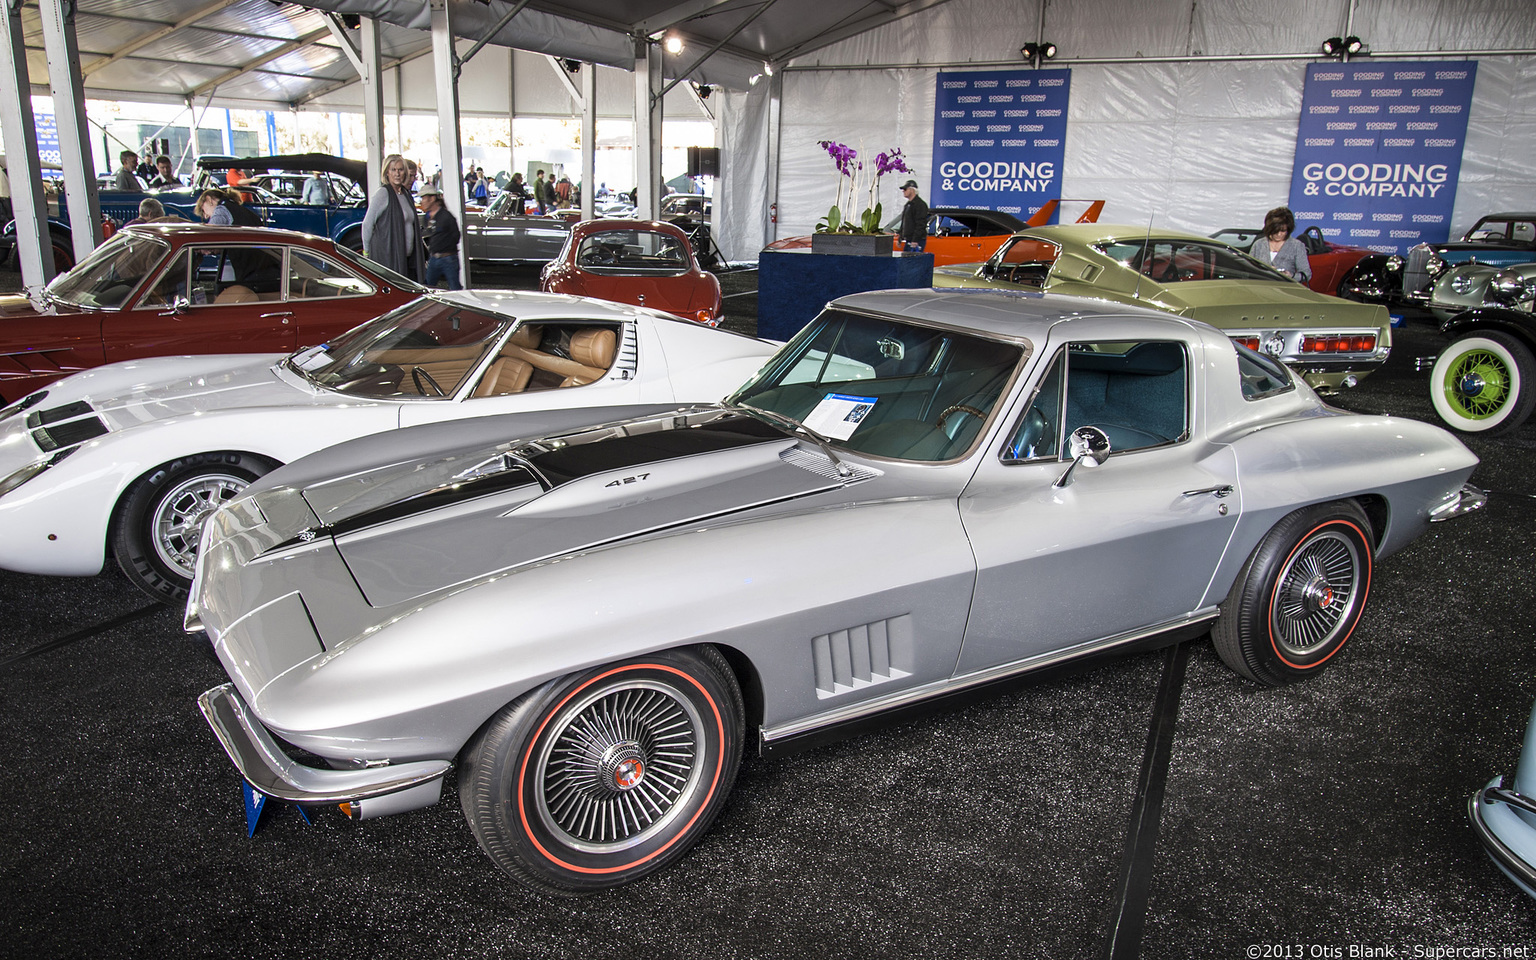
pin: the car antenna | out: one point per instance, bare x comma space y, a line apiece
1146, 251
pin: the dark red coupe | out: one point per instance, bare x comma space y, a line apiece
163, 289
644, 262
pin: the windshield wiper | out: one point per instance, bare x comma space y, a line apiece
796, 427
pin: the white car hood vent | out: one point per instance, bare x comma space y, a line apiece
65, 426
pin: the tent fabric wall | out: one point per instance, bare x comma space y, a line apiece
1196, 144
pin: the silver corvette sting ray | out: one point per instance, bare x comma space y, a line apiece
583, 616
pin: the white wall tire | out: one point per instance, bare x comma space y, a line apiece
1483, 383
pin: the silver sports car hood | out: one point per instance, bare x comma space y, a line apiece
421, 525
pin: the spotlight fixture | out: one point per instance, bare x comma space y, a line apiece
1035, 53
673, 43
1342, 46
571, 66
351, 20
704, 90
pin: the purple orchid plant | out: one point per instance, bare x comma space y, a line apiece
850, 171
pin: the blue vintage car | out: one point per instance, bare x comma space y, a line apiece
341, 219
1505, 817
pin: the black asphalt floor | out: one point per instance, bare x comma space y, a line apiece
1155, 805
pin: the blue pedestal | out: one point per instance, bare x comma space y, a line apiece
793, 285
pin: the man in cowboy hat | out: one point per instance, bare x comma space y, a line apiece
441, 233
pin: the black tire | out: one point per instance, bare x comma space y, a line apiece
63, 255
1301, 594
352, 240
155, 531
1484, 383
564, 788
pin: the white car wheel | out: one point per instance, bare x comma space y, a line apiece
1482, 384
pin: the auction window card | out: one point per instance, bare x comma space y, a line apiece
838, 415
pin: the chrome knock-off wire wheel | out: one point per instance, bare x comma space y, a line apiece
1300, 596
619, 766
1316, 594
604, 776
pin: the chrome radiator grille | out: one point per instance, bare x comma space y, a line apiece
1416, 268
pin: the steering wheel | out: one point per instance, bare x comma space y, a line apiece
420, 374
958, 408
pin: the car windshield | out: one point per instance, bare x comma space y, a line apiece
378, 269
112, 272
1494, 230
427, 348
1184, 261
632, 252
884, 387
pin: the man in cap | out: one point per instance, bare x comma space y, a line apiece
441, 233
914, 219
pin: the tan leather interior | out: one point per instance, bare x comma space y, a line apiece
507, 375
447, 365
592, 352
593, 347
235, 293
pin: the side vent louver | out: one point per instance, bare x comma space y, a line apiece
68, 434
818, 464
863, 655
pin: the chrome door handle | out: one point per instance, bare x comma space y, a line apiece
1225, 490
285, 314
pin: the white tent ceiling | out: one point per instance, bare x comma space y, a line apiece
263, 53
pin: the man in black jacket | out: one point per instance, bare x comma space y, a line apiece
914, 219
441, 232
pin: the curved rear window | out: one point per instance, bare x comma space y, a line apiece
1261, 376
632, 252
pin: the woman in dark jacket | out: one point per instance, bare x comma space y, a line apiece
391, 236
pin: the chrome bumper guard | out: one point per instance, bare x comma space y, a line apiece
269, 770
1463, 502
1507, 860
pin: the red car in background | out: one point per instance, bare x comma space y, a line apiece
172, 288
1329, 261
644, 262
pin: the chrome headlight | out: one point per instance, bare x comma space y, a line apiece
1434, 266
1394, 262
1462, 284
1510, 287
25, 403
31, 470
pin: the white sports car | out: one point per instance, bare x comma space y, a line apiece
127, 459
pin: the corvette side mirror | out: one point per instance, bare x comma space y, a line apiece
1088, 446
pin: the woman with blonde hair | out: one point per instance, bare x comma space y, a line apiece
391, 237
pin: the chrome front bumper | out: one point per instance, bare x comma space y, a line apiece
1459, 504
1500, 830
264, 765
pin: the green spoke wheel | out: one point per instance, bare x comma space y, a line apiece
1482, 383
